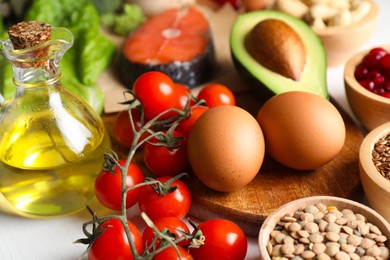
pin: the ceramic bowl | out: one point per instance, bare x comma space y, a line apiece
376, 187
341, 203
341, 42
369, 108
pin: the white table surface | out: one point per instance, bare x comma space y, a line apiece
52, 239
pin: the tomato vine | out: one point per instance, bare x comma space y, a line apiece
165, 125
159, 116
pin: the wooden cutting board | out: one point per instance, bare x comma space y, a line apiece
274, 185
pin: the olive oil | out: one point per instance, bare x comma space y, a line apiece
43, 140
47, 179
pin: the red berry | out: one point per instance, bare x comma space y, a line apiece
373, 73
361, 72
379, 91
371, 61
386, 86
367, 84
379, 50
385, 61
386, 94
386, 73
235, 3
379, 80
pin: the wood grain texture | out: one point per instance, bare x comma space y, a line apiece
275, 184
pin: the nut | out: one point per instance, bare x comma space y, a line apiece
360, 11
339, 4
326, 13
293, 7
342, 18
322, 11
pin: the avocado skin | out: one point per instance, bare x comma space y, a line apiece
260, 89
266, 83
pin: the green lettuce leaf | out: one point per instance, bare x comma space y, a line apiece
7, 86
92, 59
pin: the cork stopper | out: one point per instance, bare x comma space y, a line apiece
28, 34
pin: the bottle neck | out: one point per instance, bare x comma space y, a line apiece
46, 74
31, 81
38, 65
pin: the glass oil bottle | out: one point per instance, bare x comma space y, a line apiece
51, 142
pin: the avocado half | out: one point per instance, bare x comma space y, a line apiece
268, 83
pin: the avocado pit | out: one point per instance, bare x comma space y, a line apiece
276, 46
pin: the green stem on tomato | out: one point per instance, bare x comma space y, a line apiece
159, 234
136, 143
123, 170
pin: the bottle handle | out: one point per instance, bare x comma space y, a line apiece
2, 42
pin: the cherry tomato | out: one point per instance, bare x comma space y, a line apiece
165, 161
156, 92
108, 186
223, 240
182, 93
113, 244
171, 254
121, 129
173, 224
216, 95
173, 204
185, 125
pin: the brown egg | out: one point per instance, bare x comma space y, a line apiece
302, 130
226, 148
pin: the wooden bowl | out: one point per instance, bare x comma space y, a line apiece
376, 187
369, 108
341, 203
342, 42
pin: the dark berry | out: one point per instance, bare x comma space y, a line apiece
387, 86
373, 73
379, 80
368, 84
379, 50
371, 61
361, 72
385, 61
378, 91
386, 94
